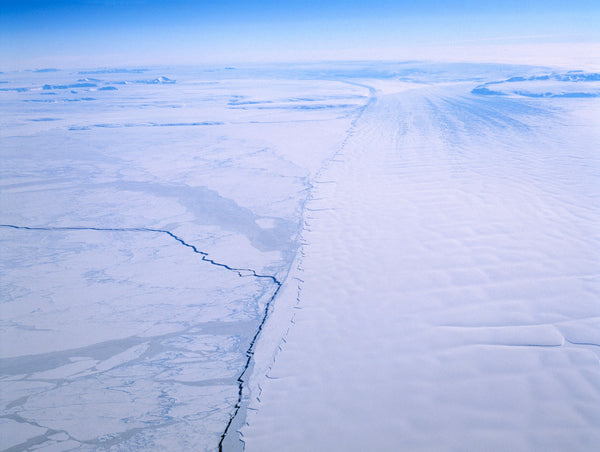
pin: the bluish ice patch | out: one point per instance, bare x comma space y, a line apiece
73, 85
210, 208
307, 107
484, 91
169, 124
114, 71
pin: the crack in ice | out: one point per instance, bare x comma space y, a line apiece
204, 255
242, 272
249, 354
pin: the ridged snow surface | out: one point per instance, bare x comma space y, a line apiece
291, 258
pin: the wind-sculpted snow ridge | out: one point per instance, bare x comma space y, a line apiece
575, 84
127, 125
113, 71
228, 442
276, 327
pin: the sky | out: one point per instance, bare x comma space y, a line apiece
89, 33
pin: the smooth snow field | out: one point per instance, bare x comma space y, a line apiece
344, 257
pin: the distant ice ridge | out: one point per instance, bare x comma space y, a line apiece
569, 84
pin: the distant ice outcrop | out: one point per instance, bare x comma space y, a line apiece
161, 79
569, 84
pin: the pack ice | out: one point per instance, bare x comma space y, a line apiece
349, 256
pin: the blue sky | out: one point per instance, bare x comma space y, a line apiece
85, 32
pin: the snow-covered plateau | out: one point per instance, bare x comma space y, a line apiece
344, 256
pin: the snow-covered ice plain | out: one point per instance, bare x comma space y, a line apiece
360, 256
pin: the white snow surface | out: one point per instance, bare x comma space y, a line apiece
446, 293
349, 256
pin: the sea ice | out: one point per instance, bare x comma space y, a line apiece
146, 216
349, 256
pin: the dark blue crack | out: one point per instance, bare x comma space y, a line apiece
204, 255
592, 344
242, 272
249, 355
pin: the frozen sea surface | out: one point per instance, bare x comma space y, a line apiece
147, 218
303, 257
